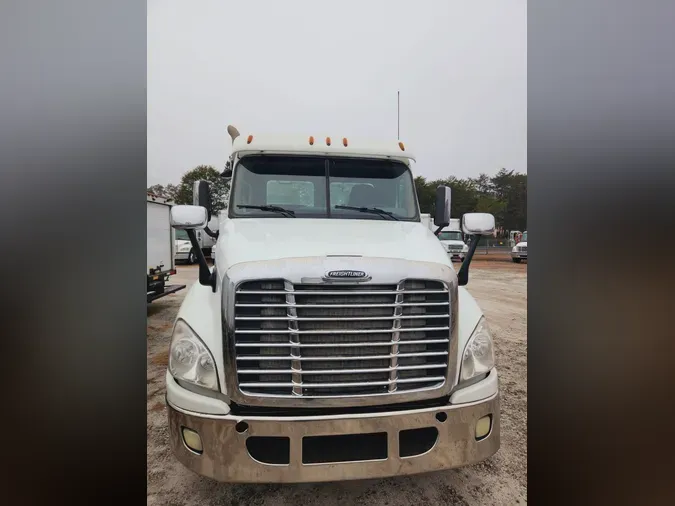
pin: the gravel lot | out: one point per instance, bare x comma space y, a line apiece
500, 287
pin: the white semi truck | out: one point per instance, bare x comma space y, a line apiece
333, 339
160, 248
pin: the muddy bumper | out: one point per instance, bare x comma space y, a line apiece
331, 448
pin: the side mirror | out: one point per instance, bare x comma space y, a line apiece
201, 196
478, 224
442, 215
475, 225
188, 217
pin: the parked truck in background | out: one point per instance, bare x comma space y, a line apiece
333, 339
514, 237
453, 241
519, 251
160, 248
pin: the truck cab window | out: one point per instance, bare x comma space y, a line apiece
181, 235
450, 236
372, 183
299, 184
294, 183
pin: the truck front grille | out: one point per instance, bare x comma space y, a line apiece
340, 340
522, 248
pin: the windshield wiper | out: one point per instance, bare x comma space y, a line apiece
373, 210
274, 209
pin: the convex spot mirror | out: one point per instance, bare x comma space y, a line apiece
189, 217
478, 224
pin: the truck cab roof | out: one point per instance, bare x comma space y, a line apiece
314, 145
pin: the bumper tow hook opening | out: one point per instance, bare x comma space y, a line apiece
441, 416
241, 427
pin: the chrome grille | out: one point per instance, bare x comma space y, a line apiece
340, 339
522, 248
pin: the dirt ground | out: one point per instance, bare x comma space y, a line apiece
500, 287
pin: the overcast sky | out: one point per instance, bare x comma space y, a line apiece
333, 68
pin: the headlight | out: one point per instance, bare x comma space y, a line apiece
465, 248
514, 249
190, 360
478, 356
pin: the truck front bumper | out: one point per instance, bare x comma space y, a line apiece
519, 254
399, 442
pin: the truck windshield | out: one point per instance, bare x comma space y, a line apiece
181, 235
450, 236
317, 187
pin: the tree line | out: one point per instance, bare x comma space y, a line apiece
504, 195
181, 193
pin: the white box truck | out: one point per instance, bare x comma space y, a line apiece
453, 241
160, 248
333, 339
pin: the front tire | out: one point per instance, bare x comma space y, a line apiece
192, 258
516, 260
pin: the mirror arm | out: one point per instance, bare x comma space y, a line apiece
439, 230
463, 274
206, 277
211, 233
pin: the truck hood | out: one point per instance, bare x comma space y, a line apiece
454, 243
523, 244
257, 239
179, 242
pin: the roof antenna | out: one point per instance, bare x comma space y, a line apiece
234, 133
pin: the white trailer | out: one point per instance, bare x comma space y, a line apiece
160, 248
